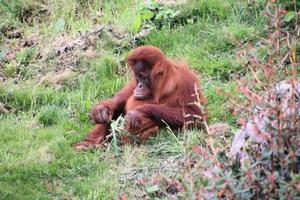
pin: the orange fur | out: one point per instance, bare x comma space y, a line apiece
173, 87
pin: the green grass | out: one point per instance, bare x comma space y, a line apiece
37, 160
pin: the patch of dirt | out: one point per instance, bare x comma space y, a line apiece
11, 46
11, 32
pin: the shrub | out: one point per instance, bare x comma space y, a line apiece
266, 154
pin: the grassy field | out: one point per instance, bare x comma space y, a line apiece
49, 94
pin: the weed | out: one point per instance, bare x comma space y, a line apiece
10, 69
265, 156
48, 116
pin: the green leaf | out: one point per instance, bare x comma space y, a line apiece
88, 104
83, 117
146, 14
60, 24
289, 16
152, 189
136, 25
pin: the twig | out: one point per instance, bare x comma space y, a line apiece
204, 121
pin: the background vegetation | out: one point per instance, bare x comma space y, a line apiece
58, 58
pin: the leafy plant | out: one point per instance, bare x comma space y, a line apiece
266, 155
141, 18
